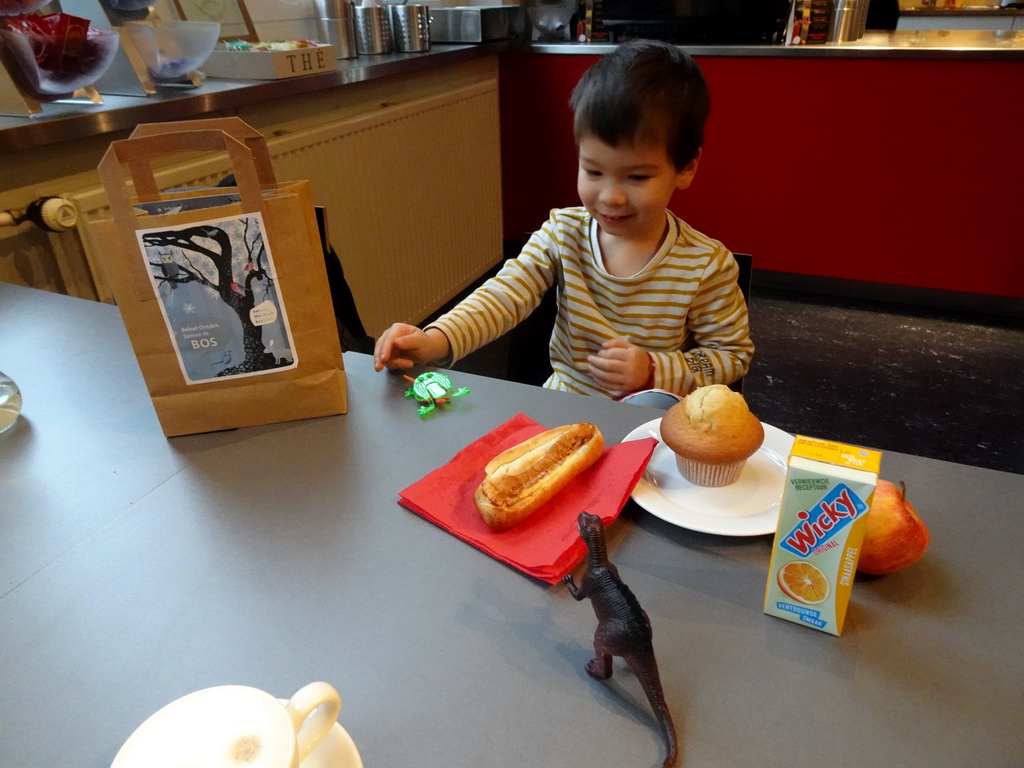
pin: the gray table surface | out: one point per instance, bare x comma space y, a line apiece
135, 569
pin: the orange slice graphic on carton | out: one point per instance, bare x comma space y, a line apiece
804, 582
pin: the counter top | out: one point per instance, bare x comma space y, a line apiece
873, 45
962, 12
68, 121
71, 121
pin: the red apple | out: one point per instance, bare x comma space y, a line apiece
895, 536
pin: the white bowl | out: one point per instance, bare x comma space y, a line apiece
172, 49
100, 48
18, 7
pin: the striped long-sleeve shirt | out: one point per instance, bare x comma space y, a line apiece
684, 307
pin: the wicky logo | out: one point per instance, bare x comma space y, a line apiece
818, 525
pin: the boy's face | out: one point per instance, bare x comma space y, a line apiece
627, 187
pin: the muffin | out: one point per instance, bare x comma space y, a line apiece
713, 433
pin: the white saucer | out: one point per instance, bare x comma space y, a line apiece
748, 507
335, 750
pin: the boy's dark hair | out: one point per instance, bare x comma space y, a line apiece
645, 90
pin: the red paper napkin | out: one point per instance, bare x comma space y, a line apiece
546, 545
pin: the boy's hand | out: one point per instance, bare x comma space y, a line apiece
620, 366
402, 346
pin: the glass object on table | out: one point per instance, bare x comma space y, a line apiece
10, 402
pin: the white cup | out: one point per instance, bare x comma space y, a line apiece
233, 726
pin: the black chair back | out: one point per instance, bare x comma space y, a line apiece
745, 262
350, 326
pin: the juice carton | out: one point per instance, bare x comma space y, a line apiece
821, 527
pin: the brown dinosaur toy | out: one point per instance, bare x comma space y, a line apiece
623, 628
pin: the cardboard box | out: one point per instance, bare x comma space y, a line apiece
809, 22
824, 510
594, 30
270, 65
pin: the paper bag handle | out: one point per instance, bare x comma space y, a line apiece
234, 127
138, 154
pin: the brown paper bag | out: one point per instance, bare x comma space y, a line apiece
223, 291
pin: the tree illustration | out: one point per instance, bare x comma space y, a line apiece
206, 256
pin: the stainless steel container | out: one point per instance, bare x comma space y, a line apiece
473, 24
862, 18
845, 24
410, 27
341, 33
335, 9
373, 32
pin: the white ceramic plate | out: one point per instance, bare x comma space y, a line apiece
335, 750
748, 507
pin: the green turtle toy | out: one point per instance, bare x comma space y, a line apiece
433, 389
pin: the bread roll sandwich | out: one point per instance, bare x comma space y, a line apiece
524, 478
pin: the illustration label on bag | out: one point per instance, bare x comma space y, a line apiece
219, 295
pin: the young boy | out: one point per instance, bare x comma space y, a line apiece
644, 300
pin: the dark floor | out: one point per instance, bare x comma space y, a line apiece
946, 385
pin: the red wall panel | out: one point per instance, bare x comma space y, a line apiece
899, 171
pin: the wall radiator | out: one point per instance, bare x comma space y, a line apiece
412, 194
